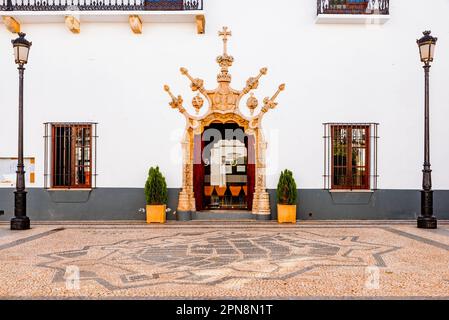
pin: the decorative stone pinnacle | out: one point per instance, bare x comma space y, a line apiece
224, 98
167, 89
270, 103
281, 88
176, 102
225, 33
225, 61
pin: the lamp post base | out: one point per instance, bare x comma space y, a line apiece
427, 223
22, 223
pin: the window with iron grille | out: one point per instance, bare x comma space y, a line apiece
350, 156
70, 155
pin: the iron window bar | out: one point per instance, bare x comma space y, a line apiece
100, 5
338, 168
365, 7
70, 155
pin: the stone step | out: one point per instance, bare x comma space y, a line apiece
223, 215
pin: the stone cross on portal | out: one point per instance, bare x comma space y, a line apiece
225, 33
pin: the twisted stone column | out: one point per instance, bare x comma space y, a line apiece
261, 201
186, 201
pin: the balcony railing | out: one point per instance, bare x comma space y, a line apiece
366, 7
100, 5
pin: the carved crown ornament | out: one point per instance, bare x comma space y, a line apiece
224, 101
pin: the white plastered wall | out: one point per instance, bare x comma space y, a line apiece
333, 73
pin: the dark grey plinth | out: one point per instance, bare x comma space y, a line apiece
225, 215
313, 204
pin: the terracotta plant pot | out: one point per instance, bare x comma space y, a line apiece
235, 190
286, 213
156, 213
221, 190
245, 190
208, 190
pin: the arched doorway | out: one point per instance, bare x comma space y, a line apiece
224, 168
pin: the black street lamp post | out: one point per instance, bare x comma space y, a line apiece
20, 221
427, 220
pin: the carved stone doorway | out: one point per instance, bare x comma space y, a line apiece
223, 109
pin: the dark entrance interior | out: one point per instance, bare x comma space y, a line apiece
224, 168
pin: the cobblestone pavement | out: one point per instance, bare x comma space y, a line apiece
224, 260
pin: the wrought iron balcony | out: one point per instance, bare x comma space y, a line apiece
100, 5
353, 7
76, 12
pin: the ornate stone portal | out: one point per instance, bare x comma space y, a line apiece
224, 107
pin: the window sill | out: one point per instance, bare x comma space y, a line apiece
69, 189
351, 191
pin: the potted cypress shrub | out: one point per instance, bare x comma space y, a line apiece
156, 196
286, 197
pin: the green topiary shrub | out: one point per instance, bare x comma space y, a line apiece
156, 188
286, 190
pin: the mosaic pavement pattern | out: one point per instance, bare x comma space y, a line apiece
260, 260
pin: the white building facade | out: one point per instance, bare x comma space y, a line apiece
349, 123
